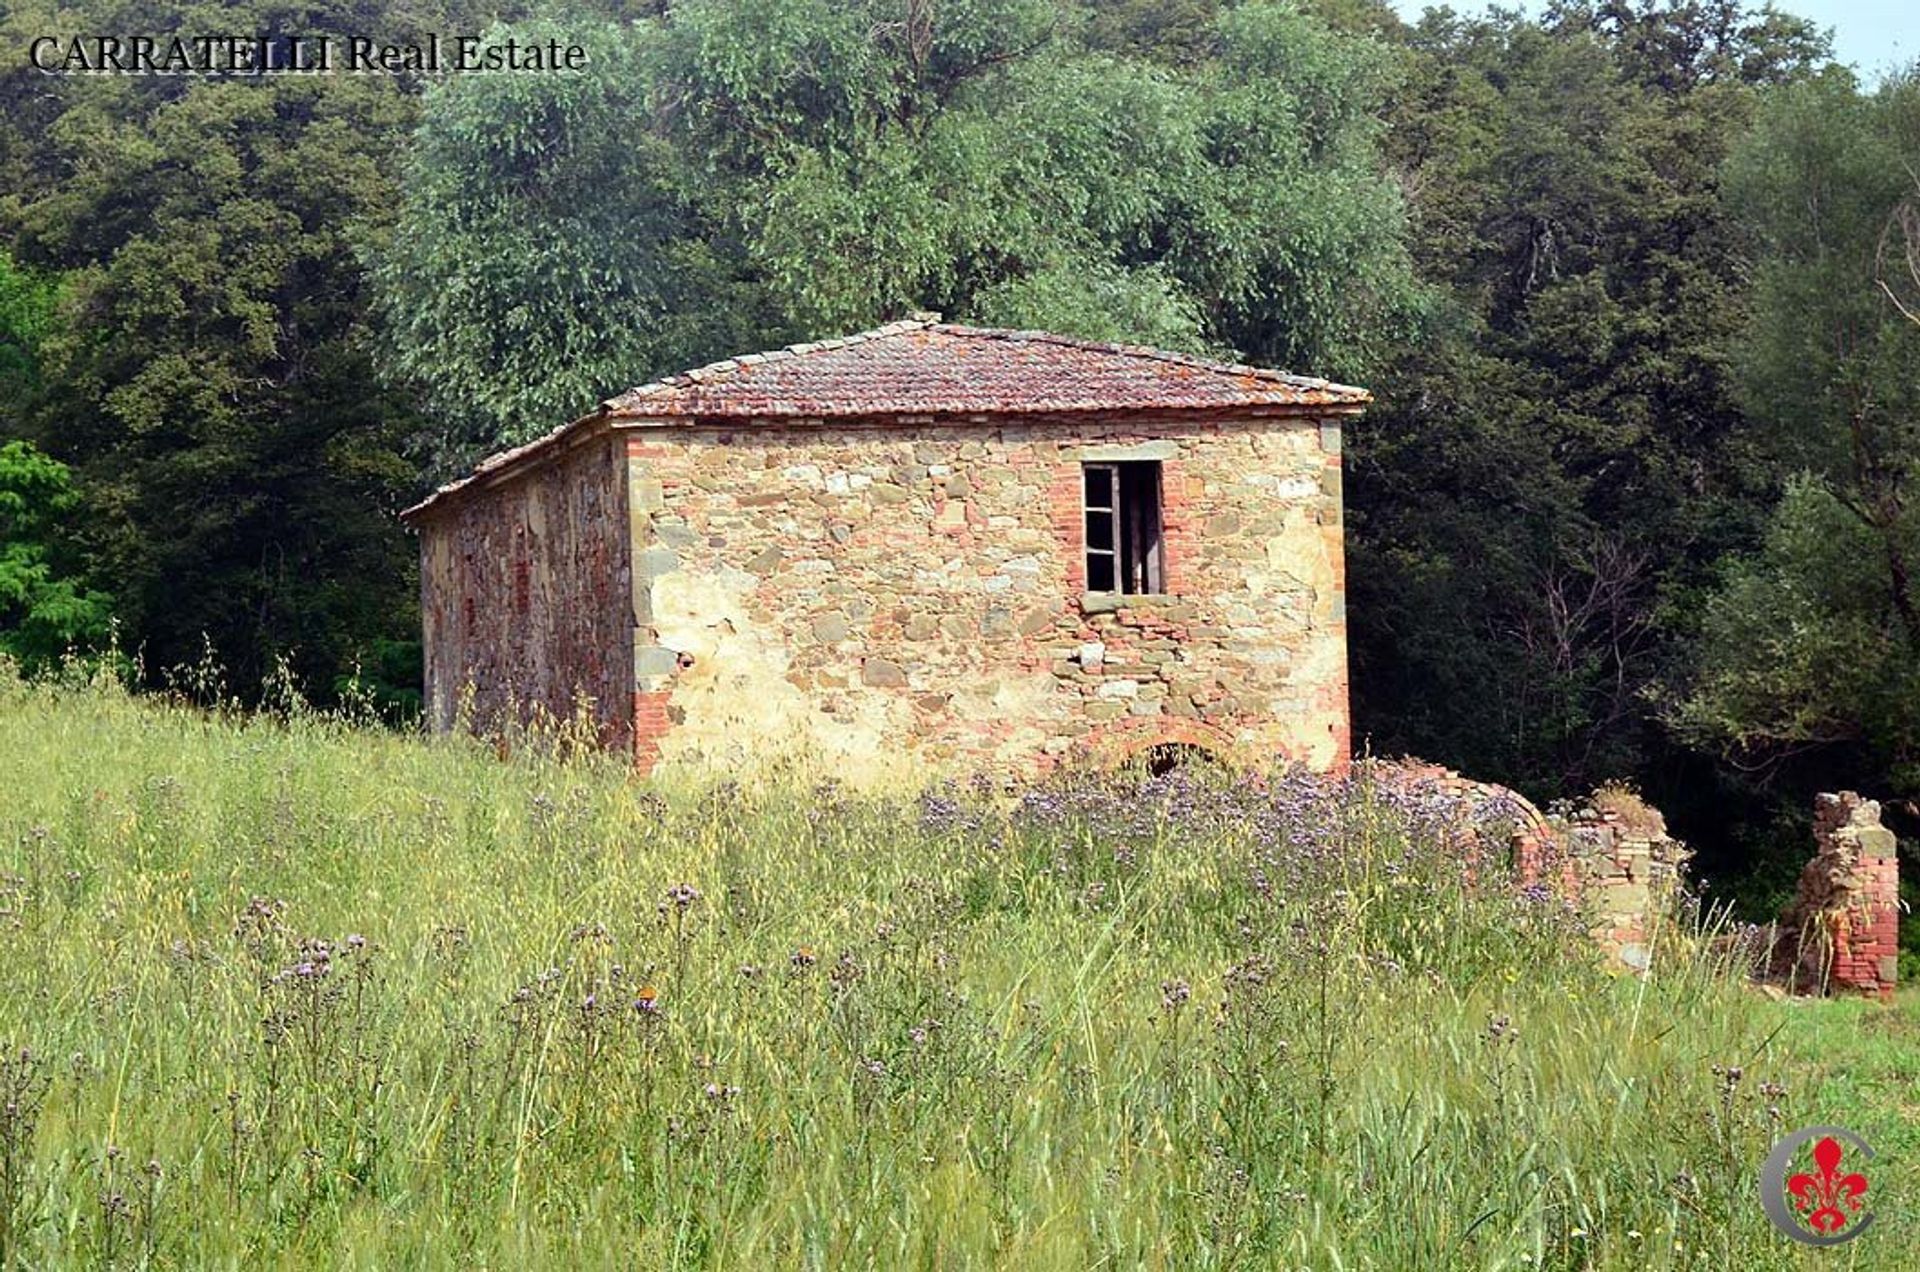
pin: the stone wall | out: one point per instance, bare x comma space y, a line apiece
1609, 855
896, 597
1618, 859
524, 597
1841, 932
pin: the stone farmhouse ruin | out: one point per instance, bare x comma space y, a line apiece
923, 545
933, 546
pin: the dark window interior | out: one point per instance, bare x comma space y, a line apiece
1124, 548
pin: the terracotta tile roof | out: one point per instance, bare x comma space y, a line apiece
935, 368
925, 367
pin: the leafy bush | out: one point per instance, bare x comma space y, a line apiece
44, 611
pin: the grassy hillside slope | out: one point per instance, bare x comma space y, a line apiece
297, 994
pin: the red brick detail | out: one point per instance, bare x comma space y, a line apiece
522, 582
1178, 534
1866, 936
1841, 933
1333, 697
1122, 740
1342, 742
1065, 509
650, 725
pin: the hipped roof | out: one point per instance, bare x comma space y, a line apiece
922, 367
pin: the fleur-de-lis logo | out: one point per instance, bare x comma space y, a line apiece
1829, 1199
1827, 1205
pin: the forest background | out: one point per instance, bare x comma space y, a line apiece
1636, 287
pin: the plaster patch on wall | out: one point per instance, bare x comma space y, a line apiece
1299, 565
733, 702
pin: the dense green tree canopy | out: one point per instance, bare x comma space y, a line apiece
733, 176
1815, 640
1551, 474
45, 610
46, 607
28, 306
209, 379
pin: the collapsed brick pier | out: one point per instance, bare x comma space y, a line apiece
1621, 864
1841, 932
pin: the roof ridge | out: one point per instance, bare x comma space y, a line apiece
680, 379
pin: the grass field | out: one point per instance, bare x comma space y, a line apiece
294, 993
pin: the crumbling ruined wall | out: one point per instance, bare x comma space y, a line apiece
1841, 932
1625, 868
1610, 855
524, 597
906, 595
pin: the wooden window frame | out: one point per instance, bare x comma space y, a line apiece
1131, 555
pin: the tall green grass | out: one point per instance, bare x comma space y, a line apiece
286, 992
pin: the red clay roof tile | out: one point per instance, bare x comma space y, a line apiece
924, 367
941, 368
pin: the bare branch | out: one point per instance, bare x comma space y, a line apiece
1900, 244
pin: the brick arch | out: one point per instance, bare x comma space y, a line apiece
1534, 845
1115, 744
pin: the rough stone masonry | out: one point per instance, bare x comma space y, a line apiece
1609, 855
926, 545
1841, 932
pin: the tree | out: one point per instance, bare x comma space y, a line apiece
733, 176
550, 250
1815, 640
46, 607
1802, 647
236, 461
27, 314
44, 610
1555, 468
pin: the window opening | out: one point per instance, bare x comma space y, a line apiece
1125, 544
